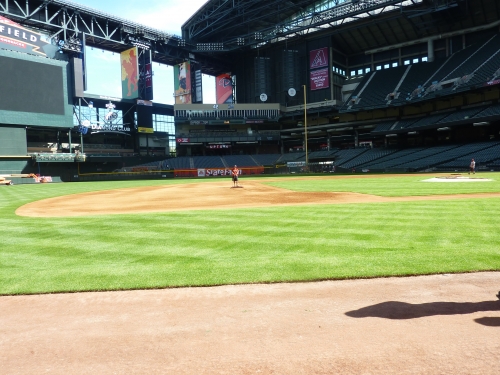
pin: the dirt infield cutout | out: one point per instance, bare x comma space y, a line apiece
203, 196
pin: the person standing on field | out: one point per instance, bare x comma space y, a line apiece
234, 173
472, 167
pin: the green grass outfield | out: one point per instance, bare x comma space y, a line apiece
251, 245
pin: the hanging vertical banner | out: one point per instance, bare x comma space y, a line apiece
198, 84
145, 75
319, 79
318, 58
149, 76
182, 83
224, 89
130, 73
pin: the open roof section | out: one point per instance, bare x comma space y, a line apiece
356, 25
63, 19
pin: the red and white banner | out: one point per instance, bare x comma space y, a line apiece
318, 58
319, 79
182, 140
224, 89
221, 172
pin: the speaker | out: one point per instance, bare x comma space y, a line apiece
144, 116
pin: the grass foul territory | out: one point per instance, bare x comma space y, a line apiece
250, 245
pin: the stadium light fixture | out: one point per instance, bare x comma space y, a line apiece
139, 42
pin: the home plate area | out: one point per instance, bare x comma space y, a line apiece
457, 178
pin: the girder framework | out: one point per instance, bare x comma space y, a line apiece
355, 26
252, 23
62, 20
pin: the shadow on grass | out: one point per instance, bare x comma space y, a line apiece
403, 310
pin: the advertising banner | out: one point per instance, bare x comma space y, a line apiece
182, 83
224, 89
148, 75
318, 58
319, 79
198, 84
221, 172
130, 73
15, 37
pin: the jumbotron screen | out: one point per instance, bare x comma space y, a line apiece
27, 86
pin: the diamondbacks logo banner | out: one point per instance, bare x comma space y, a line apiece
130, 73
318, 58
224, 89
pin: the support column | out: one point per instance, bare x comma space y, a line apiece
430, 50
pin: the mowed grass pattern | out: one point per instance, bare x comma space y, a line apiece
271, 244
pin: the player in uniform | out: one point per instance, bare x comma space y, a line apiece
472, 167
234, 175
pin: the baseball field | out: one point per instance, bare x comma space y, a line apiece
72, 237
334, 248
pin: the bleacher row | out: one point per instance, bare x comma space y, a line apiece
475, 113
439, 158
471, 67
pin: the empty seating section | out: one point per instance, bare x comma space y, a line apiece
322, 154
182, 162
493, 110
454, 157
391, 160
483, 153
475, 65
266, 159
426, 121
368, 156
452, 65
403, 124
208, 162
448, 117
427, 158
240, 160
416, 78
463, 114
376, 93
293, 156
384, 126
478, 58
364, 82
343, 157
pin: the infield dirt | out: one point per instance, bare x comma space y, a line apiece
202, 196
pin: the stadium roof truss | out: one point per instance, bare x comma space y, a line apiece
356, 25
255, 23
63, 20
